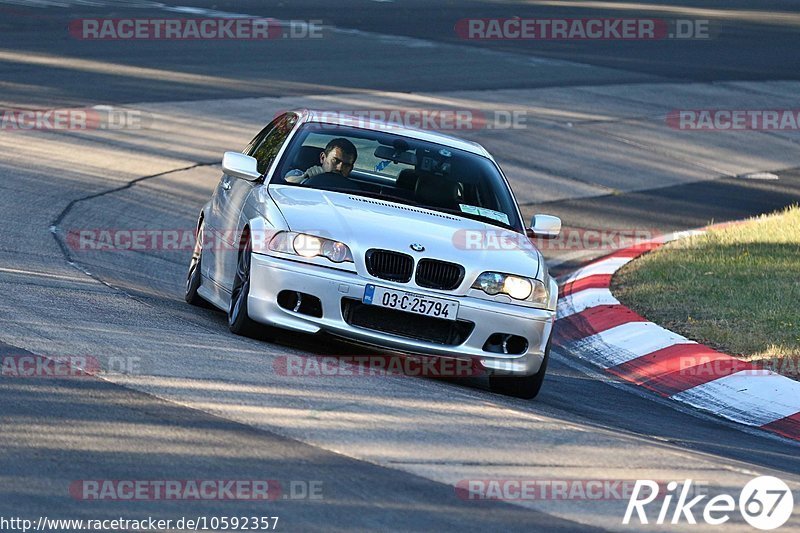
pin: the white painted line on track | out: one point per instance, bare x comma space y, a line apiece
630, 341
585, 299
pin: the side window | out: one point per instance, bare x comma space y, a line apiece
267, 144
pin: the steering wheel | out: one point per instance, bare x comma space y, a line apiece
331, 180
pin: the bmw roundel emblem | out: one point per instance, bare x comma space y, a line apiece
417, 247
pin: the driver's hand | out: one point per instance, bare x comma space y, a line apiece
314, 171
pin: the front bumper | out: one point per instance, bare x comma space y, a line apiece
270, 275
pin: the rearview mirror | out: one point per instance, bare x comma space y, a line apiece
395, 156
545, 227
239, 165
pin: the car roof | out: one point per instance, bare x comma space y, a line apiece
342, 119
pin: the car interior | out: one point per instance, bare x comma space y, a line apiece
423, 175
425, 184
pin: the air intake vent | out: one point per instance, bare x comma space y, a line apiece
393, 266
435, 274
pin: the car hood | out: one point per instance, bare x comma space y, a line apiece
362, 223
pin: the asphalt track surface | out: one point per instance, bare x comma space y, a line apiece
386, 450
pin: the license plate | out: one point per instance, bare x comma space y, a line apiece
410, 303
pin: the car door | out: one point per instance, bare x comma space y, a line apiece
233, 194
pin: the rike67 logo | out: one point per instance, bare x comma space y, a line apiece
765, 503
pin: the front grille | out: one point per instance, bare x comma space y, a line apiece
393, 266
435, 274
402, 324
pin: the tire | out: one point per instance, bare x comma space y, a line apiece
526, 387
194, 277
239, 321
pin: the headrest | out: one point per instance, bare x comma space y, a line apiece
307, 157
407, 179
438, 191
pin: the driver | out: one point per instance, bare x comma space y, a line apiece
338, 157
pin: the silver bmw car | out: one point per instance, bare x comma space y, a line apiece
389, 236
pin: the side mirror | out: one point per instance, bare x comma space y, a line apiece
544, 227
240, 166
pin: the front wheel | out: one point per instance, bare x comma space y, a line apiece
239, 321
193, 279
526, 387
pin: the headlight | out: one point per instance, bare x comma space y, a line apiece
307, 245
518, 288
304, 245
515, 286
490, 283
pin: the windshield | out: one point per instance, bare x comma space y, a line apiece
398, 169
